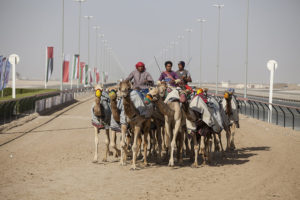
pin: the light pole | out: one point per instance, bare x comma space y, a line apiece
88, 18
201, 21
79, 23
180, 38
189, 31
101, 52
219, 6
96, 55
246, 59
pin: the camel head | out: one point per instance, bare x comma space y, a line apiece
124, 88
184, 95
112, 92
97, 107
162, 88
152, 95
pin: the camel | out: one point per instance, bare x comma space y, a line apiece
205, 132
230, 107
173, 119
117, 121
136, 121
101, 120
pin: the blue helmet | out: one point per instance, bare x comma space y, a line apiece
231, 90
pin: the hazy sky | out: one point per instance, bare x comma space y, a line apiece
139, 29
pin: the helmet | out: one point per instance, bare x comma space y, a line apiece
139, 64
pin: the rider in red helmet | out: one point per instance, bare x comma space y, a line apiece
141, 79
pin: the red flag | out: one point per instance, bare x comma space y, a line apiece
66, 68
78, 67
97, 77
82, 65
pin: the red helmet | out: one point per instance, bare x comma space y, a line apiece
139, 64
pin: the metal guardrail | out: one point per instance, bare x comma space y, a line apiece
285, 115
16, 108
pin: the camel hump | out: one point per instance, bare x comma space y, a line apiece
172, 96
138, 102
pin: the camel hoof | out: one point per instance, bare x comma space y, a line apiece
133, 168
194, 165
171, 164
104, 160
232, 146
122, 163
146, 164
94, 161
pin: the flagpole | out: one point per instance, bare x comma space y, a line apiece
62, 45
46, 69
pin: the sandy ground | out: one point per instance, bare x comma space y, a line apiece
53, 161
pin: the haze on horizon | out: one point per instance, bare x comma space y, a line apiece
138, 30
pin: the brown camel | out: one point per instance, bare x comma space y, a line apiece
173, 120
136, 121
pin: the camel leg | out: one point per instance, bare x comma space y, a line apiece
159, 142
113, 143
232, 145
216, 142
123, 145
181, 142
228, 133
167, 138
221, 144
137, 130
139, 147
196, 150
107, 141
202, 147
163, 136
210, 153
173, 143
146, 132
96, 145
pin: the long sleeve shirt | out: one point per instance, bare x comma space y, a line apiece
164, 77
140, 79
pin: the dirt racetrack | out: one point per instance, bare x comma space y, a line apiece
54, 161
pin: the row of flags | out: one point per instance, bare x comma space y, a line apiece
80, 70
4, 72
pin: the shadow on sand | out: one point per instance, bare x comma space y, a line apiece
235, 157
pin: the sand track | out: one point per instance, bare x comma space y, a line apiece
54, 162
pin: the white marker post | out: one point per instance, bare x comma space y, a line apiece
14, 59
272, 66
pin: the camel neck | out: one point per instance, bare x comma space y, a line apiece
129, 108
163, 107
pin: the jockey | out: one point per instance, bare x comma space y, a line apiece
201, 94
169, 76
183, 74
141, 79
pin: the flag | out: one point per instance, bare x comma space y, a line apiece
6, 74
97, 77
49, 63
1, 69
66, 64
75, 70
86, 74
91, 77
82, 64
